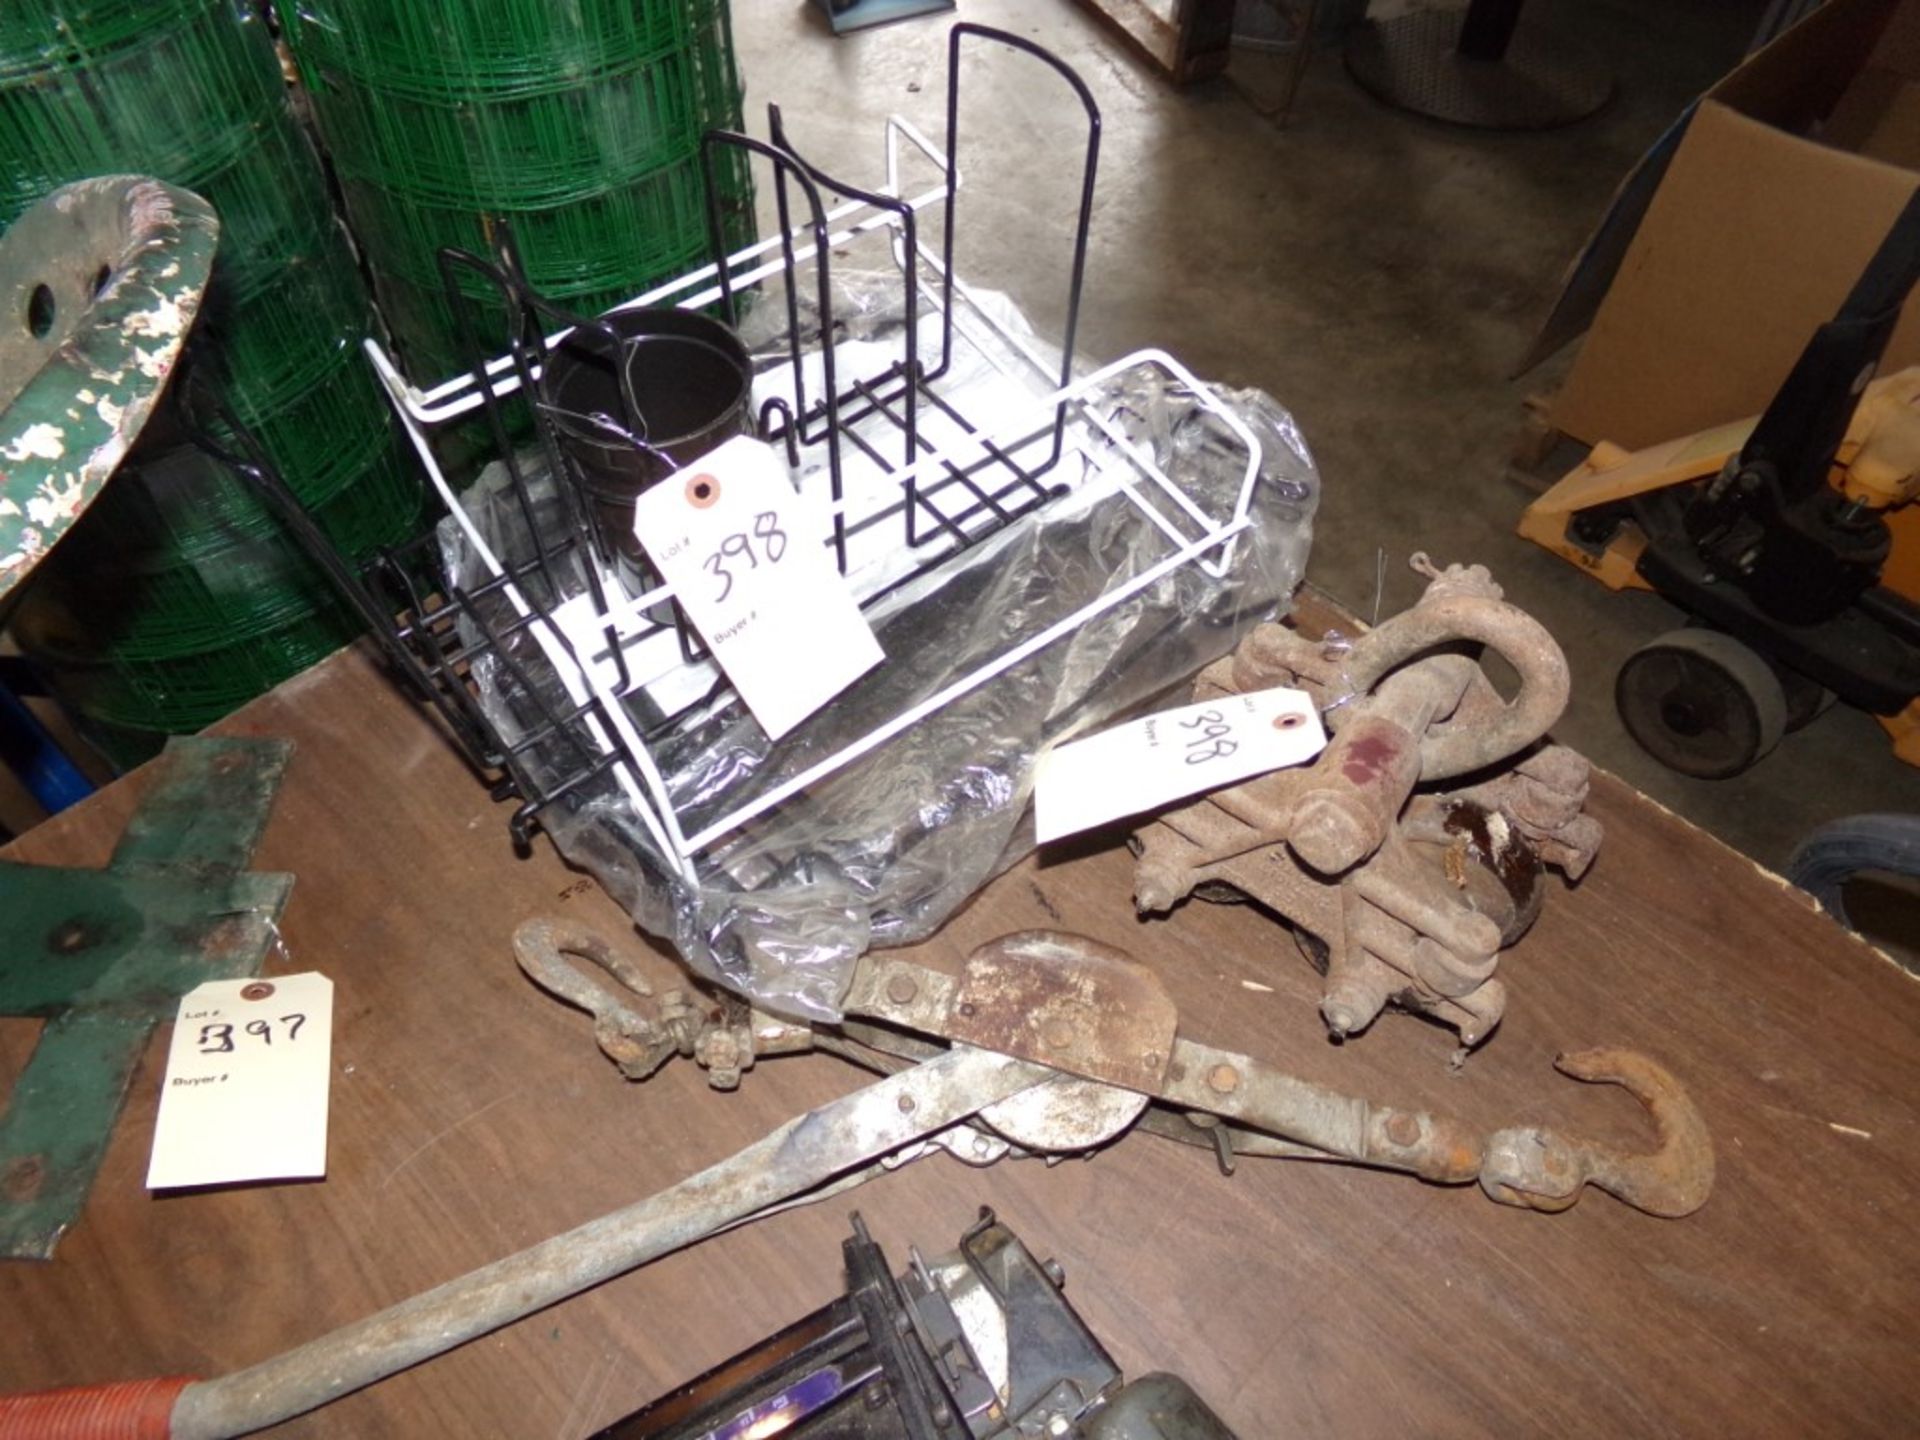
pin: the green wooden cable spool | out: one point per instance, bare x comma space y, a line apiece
101, 284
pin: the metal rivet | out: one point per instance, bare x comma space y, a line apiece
1403, 1129
1058, 1034
901, 989
905, 1102
1223, 1079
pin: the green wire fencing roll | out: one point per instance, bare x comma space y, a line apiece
278, 342
180, 103
43, 34
191, 691
521, 150
431, 48
152, 600
577, 125
624, 232
181, 596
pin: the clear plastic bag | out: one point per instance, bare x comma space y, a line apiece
881, 852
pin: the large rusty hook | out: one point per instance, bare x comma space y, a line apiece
1543, 1170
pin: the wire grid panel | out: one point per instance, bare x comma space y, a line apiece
1100, 466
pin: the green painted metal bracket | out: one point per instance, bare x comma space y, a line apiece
104, 955
99, 284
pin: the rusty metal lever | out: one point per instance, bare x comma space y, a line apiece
1087, 1011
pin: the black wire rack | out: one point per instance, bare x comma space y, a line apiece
522, 697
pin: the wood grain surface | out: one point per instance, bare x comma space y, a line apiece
472, 1116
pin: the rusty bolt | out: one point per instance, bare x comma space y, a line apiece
1327, 835
1058, 1034
1223, 1079
1403, 1129
901, 988
906, 1104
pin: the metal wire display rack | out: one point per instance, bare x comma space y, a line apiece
911, 475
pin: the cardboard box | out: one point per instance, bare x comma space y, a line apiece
1777, 188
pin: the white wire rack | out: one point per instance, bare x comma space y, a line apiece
1002, 379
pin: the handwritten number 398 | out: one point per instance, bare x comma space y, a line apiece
1212, 742
740, 546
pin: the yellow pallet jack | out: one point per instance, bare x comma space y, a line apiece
1789, 537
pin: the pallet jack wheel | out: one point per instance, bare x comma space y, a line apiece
1807, 700
1701, 703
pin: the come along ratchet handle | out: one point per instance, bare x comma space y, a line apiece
804, 1153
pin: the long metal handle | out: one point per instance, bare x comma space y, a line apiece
798, 1156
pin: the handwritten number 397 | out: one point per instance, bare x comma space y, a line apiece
740, 546
218, 1039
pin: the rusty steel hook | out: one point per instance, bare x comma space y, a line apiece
1540, 1169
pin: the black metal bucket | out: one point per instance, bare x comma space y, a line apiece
691, 386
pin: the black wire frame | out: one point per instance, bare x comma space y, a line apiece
433, 633
899, 392
430, 633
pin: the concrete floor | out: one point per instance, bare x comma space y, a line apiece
1377, 273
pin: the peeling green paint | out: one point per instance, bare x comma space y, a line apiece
99, 285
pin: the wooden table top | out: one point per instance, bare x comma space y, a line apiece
472, 1116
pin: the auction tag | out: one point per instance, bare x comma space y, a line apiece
742, 551
1146, 763
245, 1096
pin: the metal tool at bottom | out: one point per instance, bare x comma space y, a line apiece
1045, 1043
979, 1344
